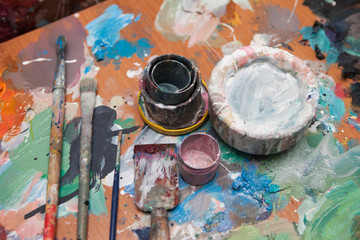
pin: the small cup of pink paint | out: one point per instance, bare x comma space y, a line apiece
198, 158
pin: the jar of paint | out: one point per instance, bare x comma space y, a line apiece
198, 158
170, 79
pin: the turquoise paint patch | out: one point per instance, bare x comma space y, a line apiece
105, 39
125, 48
329, 100
320, 39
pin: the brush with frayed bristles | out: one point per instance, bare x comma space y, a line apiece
88, 88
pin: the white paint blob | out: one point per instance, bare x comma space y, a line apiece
267, 96
116, 101
36, 60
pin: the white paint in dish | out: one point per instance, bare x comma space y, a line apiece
266, 96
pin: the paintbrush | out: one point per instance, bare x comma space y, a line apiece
115, 193
56, 138
88, 89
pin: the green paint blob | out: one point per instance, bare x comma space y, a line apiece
127, 123
313, 139
16, 180
252, 233
338, 218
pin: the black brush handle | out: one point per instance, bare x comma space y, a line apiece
115, 192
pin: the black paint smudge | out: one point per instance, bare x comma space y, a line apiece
318, 53
350, 66
341, 22
142, 233
103, 151
355, 94
340, 11
287, 46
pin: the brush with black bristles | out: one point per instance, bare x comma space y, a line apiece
88, 87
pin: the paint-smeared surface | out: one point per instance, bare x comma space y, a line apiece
316, 179
32, 76
107, 43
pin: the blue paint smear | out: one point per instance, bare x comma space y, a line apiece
87, 69
137, 18
257, 186
107, 26
329, 100
320, 39
130, 189
202, 207
105, 39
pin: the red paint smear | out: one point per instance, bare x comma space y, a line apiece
50, 221
339, 91
2, 233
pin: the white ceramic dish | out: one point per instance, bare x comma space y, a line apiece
262, 99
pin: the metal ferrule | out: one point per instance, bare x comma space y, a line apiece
59, 81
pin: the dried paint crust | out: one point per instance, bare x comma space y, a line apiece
248, 136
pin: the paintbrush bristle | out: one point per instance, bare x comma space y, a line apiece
88, 85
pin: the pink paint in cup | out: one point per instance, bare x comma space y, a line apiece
198, 158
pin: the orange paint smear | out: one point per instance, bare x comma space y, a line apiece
13, 106
290, 211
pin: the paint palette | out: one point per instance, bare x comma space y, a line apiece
262, 99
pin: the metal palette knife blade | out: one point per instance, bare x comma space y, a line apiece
156, 184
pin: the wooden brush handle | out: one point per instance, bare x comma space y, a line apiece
56, 139
84, 183
159, 225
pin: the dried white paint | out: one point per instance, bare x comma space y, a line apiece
70, 110
116, 102
36, 60
134, 72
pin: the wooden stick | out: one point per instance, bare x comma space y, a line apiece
88, 89
56, 139
115, 191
